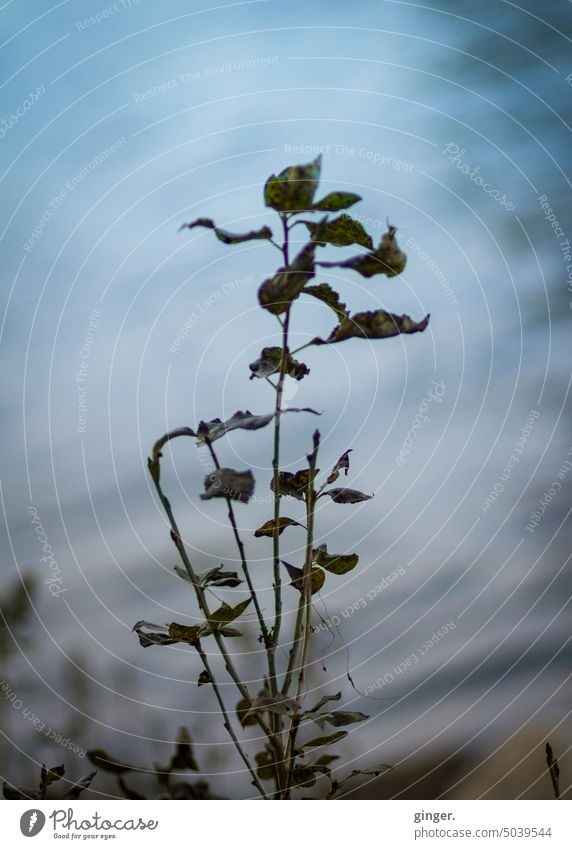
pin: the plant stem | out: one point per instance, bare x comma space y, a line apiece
242, 553
227, 723
298, 628
306, 610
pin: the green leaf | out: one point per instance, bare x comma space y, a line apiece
217, 578
342, 464
339, 564
269, 363
225, 236
48, 776
294, 188
209, 431
324, 741
159, 636
243, 711
324, 292
294, 484
334, 201
227, 483
343, 717
341, 231
204, 678
318, 576
342, 495
377, 324
304, 776
277, 293
267, 529
386, 259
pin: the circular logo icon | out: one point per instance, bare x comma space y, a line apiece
32, 822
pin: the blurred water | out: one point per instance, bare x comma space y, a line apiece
157, 115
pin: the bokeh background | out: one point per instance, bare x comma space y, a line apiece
122, 121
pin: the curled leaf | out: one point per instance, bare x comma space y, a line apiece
158, 636
282, 705
294, 188
341, 495
183, 758
377, 324
318, 576
277, 293
218, 578
386, 259
324, 701
341, 231
268, 528
265, 765
48, 776
204, 678
295, 483
335, 201
339, 564
324, 292
209, 431
227, 483
342, 464
269, 363
186, 633
226, 237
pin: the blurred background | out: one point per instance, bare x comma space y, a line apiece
122, 121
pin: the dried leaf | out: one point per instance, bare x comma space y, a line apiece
341, 495
226, 613
265, 765
79, 786
335, 201
48, 776
294, 188
267, 529
324, 741
324, 701
227, 483
343, 717
210, 431
324, 292
243, 711
183, 758
304, 776
342, 464
295, 483
159, 636
204, 678
225, 236
282, 705
187, 633
218, 578
318, 576
339, 564
277, 293
269, 363
377, 324
102, 760
341, 231
386, 259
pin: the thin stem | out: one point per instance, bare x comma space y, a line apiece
298, 628
227, 723
201, 597
306, 608
242, 553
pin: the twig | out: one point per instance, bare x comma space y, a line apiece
554, 770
